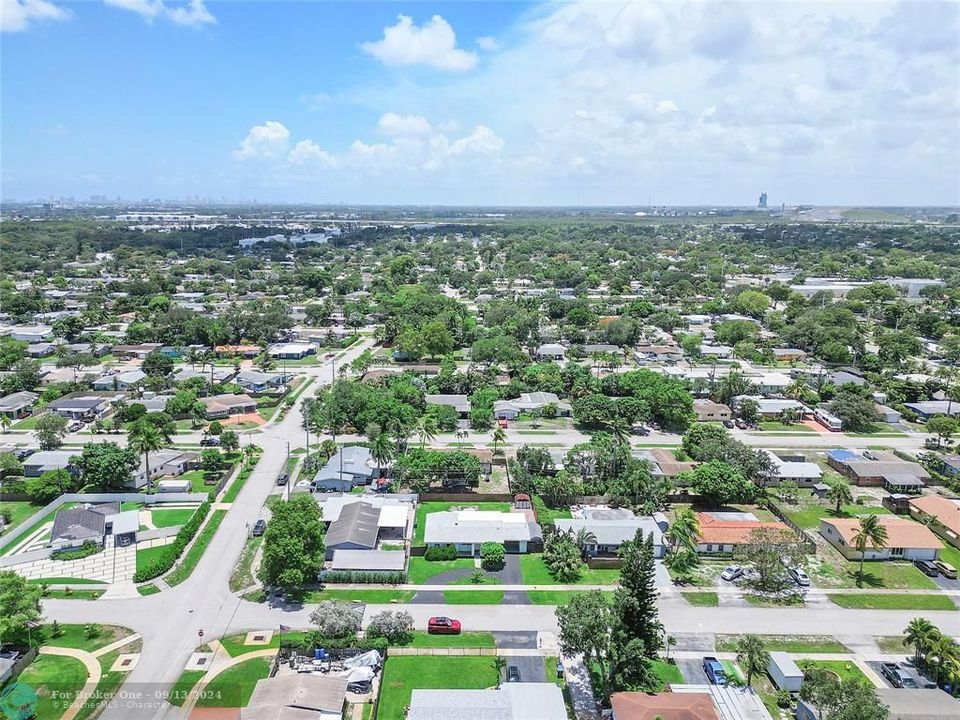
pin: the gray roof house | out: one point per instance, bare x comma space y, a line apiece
347, 468
83, 406
510, 409
611, 528
18, 405
74, 526
256, 381
357, 528
511, 701
468, 529
551, 351
460, 403
47, 460
120, 381
297, 697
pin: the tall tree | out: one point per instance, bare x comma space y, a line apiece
145, 437
19, 607
839, 492
871, 532
752, 656
636, 598
50, 430
293, 544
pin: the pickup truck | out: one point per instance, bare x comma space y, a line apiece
714, 670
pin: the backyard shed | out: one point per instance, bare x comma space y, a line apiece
784, 672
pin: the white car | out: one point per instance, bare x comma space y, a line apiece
731, 573
799, 577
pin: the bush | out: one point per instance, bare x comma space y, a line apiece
314, 639
165, 560
396, 627
88, 548
364, 577
492, 556
443, 552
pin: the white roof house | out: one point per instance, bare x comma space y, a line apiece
511, 701
800, 472
469, 528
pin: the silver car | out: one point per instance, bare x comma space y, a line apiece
799, 577
731, 573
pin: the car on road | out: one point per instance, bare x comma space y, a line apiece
927, 568
441, 625
283, 479
259, 527
895, 676
513, 674
714, 670
946, 569
799, 577
210, 441
75, 426
731, 573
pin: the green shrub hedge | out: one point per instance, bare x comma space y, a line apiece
88, 548
363, 577
165, 560
444, 552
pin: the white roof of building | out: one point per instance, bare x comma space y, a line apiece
332, 505
613, 531
790, 469
394, 516
512, 701
125, 522
477, 526
369, 560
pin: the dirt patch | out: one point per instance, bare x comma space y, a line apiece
241, 419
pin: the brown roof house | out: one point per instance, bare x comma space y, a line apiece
906, 539
941, 514
670, 706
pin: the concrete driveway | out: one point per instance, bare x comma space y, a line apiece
531, 669
692, 671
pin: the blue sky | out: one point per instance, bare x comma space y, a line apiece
482, 102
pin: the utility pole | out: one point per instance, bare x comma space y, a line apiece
286, 471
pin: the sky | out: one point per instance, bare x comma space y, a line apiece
482, 103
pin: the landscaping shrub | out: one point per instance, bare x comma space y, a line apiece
364, 577
444, 552
492, 556
88, 548
313, 640
165, 560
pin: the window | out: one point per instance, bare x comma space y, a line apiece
896, 552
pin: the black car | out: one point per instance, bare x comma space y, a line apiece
360, 687
641, 431
927, 568
210, 441
892, 672
259, 527
728, 424
283, 479
513, 674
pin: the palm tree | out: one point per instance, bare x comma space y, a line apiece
144, 438
499, 436
919, 633
668, 642
192, 357
382, 449
872, 532
584, 537
752, 656
947, 653
840, 493
684, 530
5, 422
427, 429
620, 432
499, 663
328, 448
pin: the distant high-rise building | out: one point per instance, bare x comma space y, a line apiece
763, 201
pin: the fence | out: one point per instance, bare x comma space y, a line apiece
807, 543
19, 665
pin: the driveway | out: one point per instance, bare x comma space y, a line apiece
517, 640
945, 583
510, 573
531, 669
428, 597
692, 671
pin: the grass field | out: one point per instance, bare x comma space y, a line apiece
843, 669
19, 510
69, 594
667, 672
197, 481
786, 643
56, 680
189, 561
242, 575
702, 599
468, 639
772, 426
893, 602
557, 597
64, 581
809, 514
424, 509
146, 556
376, 597
234, 686
48, 518
401, 675
184, 684
420, 569
535, 572
234, 644
883, 575
149, 589
170, 518
473, 597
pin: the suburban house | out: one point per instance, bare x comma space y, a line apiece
84, 406
260, 382
804, 474
510, 701
718, 352
724, 532
658, 353
292, 351
138, 352
347, 468
299, 696
610, 528
709, 411
357, 528
18, 405
771, 383
214, 374
41, 350
650, 706
217, 407
664, 462
902, 704
30, 333
906, 539
551, 351
460, 403
940, 514
770, 408
92, 523
467, 529
245, 351
46, 460
888, 414
731, 702
926, 409
879, 467
120, 381
527, 402
788, 354
168, 461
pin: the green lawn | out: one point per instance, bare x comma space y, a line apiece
196, 478
892, 644
149, 589
28, 423
189, 561
184, 684
473, 597
56, 680
557, 597
424, 509
242, 576
19, 511
375, 597
420, 569
48, 518
170, 518
893, 602
844, 669
75, 636
422, 639
234, 686
950, 554
883, 575
109, 683
667, 672
535, 572
550, 668
786, 643
766, 601
234, 644
773, 426
809, 515
146, 556
546, 515
401, 675
69, 594
702, 599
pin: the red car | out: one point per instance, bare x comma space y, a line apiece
443, 626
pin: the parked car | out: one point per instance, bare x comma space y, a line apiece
642, 431
360, 687
729, 424
892, 672
443, 626
927, 568
714, 670
513, 674
75, 426
210, 441
799, 577
283, 479
740, 424
731, 573
946, 569
259, 527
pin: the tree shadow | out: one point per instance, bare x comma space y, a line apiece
867, 578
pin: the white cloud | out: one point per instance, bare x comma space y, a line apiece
665, 107
395, 125
264, 141
193, 13
17, 15
433, 44
307, 152
488, 43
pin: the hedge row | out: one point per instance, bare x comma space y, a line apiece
165, 560
88, 548
443, 552
363, 577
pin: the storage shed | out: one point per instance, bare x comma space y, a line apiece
784, 672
